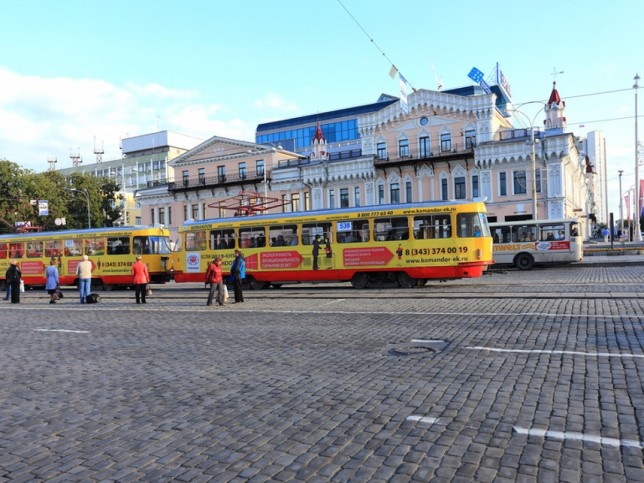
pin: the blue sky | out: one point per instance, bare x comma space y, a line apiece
76, 71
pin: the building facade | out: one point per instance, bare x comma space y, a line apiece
458, 144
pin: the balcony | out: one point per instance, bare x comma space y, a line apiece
453, 151
234, 179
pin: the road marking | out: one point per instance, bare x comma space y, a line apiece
579, 437
574, 353
63, 330
422, 419
334, 301
427, 341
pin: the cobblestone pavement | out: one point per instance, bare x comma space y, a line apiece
534, 381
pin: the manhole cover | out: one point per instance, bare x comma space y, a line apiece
416, 347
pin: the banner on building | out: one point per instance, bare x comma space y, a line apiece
478, 76
403, 93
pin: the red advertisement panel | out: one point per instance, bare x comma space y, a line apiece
288, 260
32, 268
355, 257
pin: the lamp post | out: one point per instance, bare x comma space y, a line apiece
89, 215
637, 235
532, 142
621, 204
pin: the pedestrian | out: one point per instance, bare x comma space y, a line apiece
216, 281
84, 274
53, 281
237, 274
315, 252
140, 279
13, 277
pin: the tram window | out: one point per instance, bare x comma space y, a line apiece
34, 249
282, 235
159, 244
118, 246
390, 229
311, 230
53, 248
95, 246
471, 225
141, 245
196, 240
73, 248
432, 226
222, 239
16, 250
4, 251
352, 231
250, 237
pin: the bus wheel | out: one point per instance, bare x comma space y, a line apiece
256, 284
359, 280
405, 281
524, 261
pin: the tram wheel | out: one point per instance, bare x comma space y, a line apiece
524, 261
256, 284
405, 281
359, 280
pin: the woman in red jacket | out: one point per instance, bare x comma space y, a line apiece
140, 279
216, 281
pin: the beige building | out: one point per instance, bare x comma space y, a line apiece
442, 146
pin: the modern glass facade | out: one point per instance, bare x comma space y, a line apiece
297, 134
301, 137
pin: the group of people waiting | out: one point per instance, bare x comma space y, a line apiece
214, 277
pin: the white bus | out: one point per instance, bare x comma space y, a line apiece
526, 243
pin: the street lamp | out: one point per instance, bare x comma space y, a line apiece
532, 143
637, 235
84, 191
621, 204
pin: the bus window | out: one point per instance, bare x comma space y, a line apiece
249, 237
472, 225
432, 226
53, 248
4, 251
95, 246
118, 246
552, 232
311, 230
390, 229
527, 233
16, 250
34, 249
73, 248
196, 240
352, 231
222, 239
282, 235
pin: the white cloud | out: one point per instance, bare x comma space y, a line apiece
274, 102
42, 118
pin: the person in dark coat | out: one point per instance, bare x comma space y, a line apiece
237, 275
13, 277
316, 252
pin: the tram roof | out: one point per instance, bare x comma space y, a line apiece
332, 212
79, 231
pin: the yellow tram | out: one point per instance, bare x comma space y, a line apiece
405, 243
111, 251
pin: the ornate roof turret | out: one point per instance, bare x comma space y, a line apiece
554, 109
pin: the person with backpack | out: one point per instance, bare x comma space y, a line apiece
237, 274
216, 280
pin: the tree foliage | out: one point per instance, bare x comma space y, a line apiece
65, 196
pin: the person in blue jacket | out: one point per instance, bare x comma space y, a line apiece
237, 275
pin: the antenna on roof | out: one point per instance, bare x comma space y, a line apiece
98, 152
75, 157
